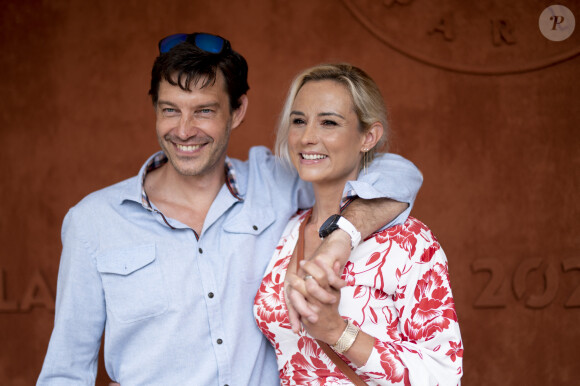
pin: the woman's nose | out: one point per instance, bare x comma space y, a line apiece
309, 135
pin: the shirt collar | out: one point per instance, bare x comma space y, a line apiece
156, 161
231, 180
159, 159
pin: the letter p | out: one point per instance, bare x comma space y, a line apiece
557, 20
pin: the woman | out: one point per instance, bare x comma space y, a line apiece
395, 321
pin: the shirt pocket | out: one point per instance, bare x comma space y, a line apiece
133, 283
247, 234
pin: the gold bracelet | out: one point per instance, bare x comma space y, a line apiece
347, 338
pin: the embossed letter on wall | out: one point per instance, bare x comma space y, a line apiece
484, 37
36, 294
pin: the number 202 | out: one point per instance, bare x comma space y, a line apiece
490, 296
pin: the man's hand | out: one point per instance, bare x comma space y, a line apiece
325, 268
327, 263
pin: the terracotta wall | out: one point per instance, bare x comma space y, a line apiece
480, 100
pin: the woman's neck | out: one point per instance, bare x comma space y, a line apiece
327, 201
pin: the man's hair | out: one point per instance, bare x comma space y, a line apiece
366, 96
185, 66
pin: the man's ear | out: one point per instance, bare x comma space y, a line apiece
372, 136
239, 113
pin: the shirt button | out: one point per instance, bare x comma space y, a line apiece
200, 250
219, 341
255, 227
210, 295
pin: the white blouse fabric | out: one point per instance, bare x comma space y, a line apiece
397, 291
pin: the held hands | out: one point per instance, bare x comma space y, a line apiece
328, 324
313, 293
321, 305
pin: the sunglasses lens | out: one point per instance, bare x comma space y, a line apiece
209, 43
171, 41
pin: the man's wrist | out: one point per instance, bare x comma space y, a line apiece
341, 239
336, 222
350, 229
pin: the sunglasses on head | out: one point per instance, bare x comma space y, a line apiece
206, 42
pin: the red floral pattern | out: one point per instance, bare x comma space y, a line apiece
455, 351
397, 291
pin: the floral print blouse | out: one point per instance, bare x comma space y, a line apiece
397, 291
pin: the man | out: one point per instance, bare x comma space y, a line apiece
167, 263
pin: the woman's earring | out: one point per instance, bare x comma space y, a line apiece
365, 161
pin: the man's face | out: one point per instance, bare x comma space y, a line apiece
193, 127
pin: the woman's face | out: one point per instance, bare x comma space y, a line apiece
324, 141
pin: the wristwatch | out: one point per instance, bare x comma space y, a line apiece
335, 222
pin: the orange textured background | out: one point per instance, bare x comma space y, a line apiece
500, 153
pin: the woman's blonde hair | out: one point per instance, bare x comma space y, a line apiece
368, 102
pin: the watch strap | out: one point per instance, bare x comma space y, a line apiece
354, 234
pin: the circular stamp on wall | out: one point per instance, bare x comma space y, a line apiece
557, 23
487, 37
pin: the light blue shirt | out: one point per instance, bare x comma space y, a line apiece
175, 309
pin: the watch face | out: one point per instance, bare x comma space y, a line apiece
329, 226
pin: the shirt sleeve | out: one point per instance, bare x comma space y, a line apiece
282, 180
388, 176
424, 345
80, 315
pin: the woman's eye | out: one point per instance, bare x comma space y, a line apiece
298, 121
329, 123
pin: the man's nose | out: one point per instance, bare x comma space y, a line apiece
188, 127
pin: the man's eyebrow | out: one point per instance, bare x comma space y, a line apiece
204, 105
162, 102
212, 104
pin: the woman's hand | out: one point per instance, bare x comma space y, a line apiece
299, 309
318, 308
328, 325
